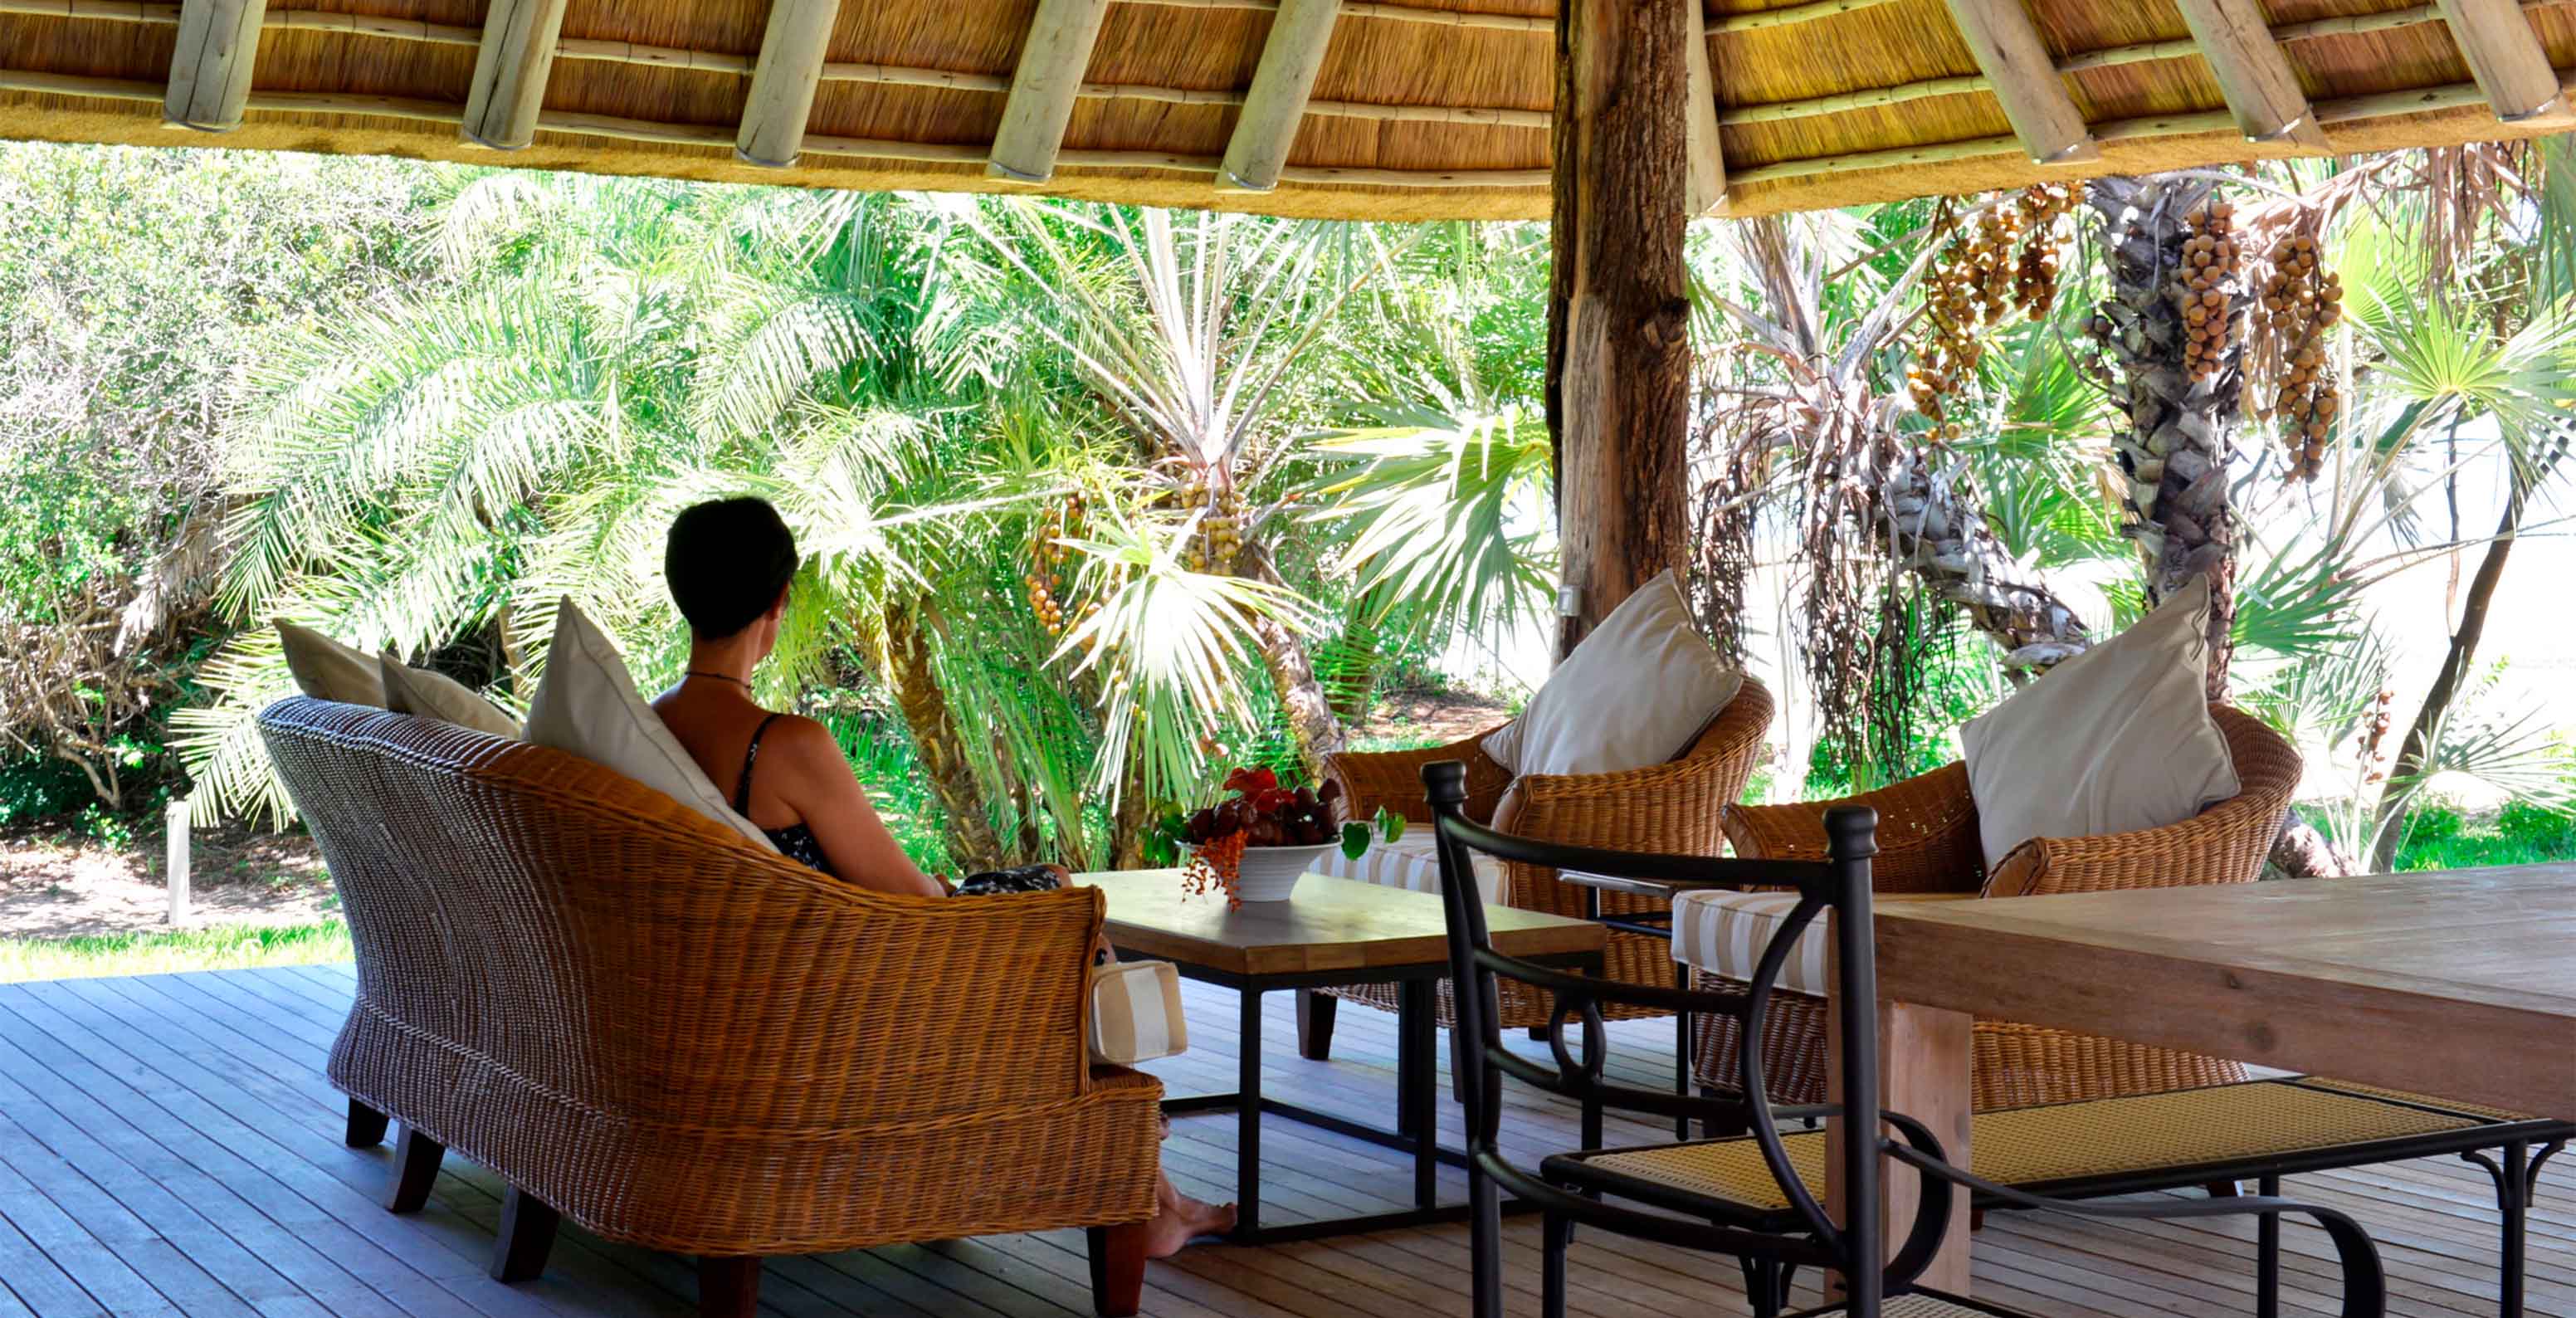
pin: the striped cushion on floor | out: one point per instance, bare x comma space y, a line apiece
1136, 1013
1915, 1306
2068, 1141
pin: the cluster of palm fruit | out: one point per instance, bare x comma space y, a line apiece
2301, 301
2005, 262
2205, 290
1051, 566
1219, 538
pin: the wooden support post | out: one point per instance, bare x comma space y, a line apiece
1707, 150
2025, 80
1925, 1056
174, 822
2262, 90
1618, 380
783, 80
210, 67
2507, 59
1276, 104
509, 88
1053, 61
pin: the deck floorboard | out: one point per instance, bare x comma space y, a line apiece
169, 1145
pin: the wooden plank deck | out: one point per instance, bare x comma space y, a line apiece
168, 1145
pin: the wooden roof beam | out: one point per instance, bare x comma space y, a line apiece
510, 70
1267, 125
210, 67
783, 80
1053, 60
2507, 59
1707, 189
2025, 80
2261, 88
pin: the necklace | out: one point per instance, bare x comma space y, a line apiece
721, 677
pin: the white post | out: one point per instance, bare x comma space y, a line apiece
174, 820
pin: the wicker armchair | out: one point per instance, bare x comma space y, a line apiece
1928, 842
1678, 806
648, 1026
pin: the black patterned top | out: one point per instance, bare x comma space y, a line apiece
796, 841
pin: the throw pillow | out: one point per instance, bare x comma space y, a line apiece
2114, 740
1636, 692
327, 670
438, 696
587, 705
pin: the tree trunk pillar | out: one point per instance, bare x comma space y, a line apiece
1618, 388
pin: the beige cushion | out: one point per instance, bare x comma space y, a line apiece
1638, 691
1136, 1013
1725, 933
2114, 740
587, 705
438, 696
1410, 862
327, 670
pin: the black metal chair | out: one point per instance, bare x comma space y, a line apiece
1773, 1241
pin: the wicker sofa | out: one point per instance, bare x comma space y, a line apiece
1676, 807
651, 1028
1928, 843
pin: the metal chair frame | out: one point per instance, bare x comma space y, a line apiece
1776, 1244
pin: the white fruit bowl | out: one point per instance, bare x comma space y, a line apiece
1269, 874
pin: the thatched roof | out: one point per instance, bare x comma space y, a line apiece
1395, 109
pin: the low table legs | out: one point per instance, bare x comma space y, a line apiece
1416, 1131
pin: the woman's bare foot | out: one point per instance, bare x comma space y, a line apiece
1179, 1219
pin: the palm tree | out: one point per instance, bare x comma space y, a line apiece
1190, 333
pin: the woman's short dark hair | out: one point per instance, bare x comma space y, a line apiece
726, 561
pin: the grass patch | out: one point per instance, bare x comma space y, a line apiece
222, 947
2440, 838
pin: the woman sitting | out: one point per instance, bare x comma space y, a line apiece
729, 564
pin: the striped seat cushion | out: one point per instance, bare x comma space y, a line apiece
1410, 863
1724, 933
1136, 1013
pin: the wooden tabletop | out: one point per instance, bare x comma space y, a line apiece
1330, 924
2461, 983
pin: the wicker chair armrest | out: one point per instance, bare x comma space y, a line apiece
1927, 832
2223, 844
1393, 779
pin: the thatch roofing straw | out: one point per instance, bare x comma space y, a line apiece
1419, 108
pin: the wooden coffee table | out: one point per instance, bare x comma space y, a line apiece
1333, 932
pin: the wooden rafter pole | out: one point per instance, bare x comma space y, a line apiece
1267, 125
2261, 88
510, 68
783, 80
2024, 79
2506, 58
1707, 149
210, 67
1052, 62
1618, 379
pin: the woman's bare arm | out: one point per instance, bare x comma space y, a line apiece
816, 781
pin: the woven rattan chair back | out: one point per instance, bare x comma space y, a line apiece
673, 1037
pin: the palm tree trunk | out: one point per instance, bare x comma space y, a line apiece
2173, 453
972, 843
1316, 730
1929, 524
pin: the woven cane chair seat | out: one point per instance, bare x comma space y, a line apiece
2025, 1147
